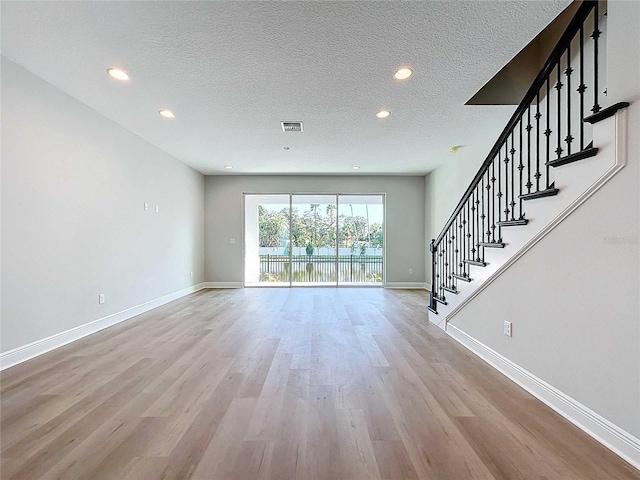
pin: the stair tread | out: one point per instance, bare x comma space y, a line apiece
463, 278
606, 112
450, 289
513, 223
476, 263
574, 157
492, 244
549, 192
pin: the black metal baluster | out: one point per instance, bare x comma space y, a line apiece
537, 117
488, 206
548, 130
582, 87
445, 264
434, 265
558, 87
528, 128
567, 72
454, 255
445, 253
449, 255
477, 240
482, 215
506, 194
439, 274
460, 245
462, 235
474, 225
513, 177
595, 35
461, 242
494, 195
467, 236
470, 234
521, 168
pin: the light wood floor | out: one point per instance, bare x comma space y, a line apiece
283, 384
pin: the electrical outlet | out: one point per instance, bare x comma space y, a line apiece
232, 241
411, 271
507, 329
157, 209
146, 206
101, 298
191, 274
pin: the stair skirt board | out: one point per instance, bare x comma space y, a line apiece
44, 345
610, 435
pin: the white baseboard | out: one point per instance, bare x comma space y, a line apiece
222, 284
407, 285
398, 285
610, 435
34, 349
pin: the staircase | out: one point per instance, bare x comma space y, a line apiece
558, 148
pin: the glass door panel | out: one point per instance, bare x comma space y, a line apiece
267, 261
360, 239
313, 239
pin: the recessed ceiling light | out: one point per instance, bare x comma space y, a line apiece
402, 73
228, 167
454, 149
355, 167
383, 114
167, 113
118, 74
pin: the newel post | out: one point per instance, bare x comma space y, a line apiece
432, 300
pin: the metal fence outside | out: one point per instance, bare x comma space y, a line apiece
321, 268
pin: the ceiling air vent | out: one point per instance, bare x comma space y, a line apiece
291, 126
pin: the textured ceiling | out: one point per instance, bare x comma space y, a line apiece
231, 71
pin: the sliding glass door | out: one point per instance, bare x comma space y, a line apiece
313, 235
360, 239
313, 239
266, 240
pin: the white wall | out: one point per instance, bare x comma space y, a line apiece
73, 225
573, 298
405, 217
444, 188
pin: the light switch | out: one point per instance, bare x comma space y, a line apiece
232, 241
